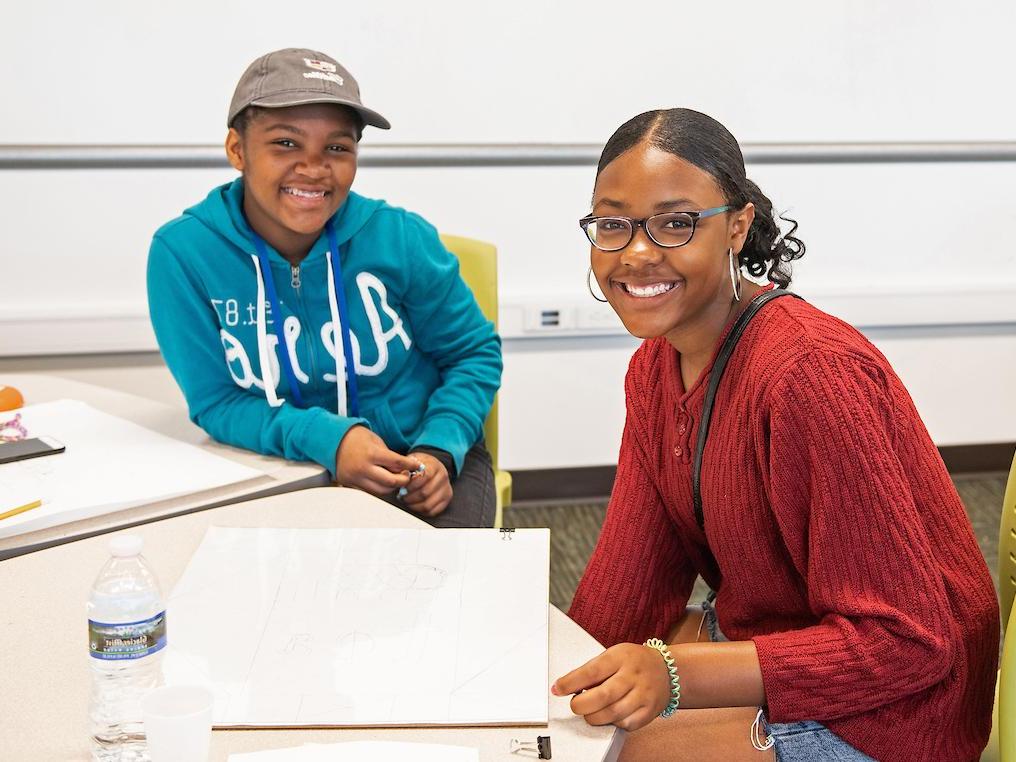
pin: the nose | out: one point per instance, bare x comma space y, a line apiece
641, 250
313, 167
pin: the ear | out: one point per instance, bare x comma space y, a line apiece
740, 223
234, 149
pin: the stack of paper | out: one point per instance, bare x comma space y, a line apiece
363, 751
110, 464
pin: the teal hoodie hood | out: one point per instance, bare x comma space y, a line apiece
427, 363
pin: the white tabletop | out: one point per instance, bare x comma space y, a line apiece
43, 644
279, 475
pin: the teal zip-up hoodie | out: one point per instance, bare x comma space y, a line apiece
427, 362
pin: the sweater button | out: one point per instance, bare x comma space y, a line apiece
678, 451
682, 428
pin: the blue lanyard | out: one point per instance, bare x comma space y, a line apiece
277, 323
352, 405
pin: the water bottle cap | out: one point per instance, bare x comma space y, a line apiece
126, 545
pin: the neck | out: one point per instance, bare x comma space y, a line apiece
292, 246
696, 340
293, 256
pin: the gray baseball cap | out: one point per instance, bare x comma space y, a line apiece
294, 76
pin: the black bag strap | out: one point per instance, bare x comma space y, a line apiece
715, 376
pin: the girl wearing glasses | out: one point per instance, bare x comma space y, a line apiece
853, 615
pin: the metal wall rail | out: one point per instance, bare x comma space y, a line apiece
493, 155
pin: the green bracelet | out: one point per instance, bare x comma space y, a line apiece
675, 683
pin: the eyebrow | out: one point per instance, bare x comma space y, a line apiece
341, 133
677, 202
613, 203
660, 207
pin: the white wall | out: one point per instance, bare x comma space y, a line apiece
890, 246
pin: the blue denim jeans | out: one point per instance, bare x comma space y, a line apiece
810, 741
806, 741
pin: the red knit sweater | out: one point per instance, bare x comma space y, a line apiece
841, 547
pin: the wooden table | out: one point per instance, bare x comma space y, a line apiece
279, 475
43, 642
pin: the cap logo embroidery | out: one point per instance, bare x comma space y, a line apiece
320, 65
324, 75
322, 70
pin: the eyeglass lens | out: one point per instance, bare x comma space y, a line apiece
667, 229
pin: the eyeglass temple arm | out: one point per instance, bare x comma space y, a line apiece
709, 212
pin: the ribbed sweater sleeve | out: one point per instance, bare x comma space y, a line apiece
639, 561
847, 515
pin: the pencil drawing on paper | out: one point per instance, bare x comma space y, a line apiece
365, 627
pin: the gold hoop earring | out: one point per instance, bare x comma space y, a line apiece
735, 275
589, 285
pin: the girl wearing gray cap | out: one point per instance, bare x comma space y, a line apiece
303, 320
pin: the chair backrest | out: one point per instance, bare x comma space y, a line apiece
1005, 722
1007, 547
478, 267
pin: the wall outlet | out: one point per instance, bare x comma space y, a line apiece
598, 317
548, 318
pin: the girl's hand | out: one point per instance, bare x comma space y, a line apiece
627, 686
430, 492
363, 460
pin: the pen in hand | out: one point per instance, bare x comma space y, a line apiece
418, 472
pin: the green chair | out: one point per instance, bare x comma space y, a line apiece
1006, 720
1007, 547
478, 267
1002, 744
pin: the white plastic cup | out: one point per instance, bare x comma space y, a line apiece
178, 723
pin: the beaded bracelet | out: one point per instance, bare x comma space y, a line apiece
675, 683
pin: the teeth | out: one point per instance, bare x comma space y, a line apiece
645, 291
303, 193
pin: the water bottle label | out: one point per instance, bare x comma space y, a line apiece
131, 640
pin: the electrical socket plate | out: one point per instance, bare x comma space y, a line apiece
558, 317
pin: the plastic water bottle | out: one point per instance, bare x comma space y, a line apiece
126, 635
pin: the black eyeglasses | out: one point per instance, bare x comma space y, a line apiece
667, 229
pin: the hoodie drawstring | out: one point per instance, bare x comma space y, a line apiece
263, 355
346, 388
340, 342
345, 370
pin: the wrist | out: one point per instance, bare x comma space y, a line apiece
673, 679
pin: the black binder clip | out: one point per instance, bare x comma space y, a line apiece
507, 533
541, 746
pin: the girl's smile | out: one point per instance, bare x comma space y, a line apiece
647, 290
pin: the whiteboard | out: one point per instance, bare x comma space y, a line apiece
528, 71
365, 627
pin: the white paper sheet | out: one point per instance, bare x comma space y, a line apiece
110, 464
345, 627
364, 751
